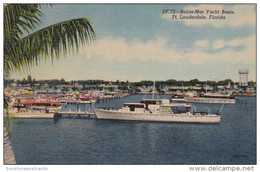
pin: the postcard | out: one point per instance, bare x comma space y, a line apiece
130, 84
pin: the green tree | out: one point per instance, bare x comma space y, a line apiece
8, 82
62, 81
193, 82
18, 82
24, 81
29, 80
171, 82
33, 82
226, 82
146, 83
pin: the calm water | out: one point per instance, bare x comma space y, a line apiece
92, 141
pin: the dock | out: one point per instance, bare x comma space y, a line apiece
54, 115
42, 115
34, 115
31, 115
72, 114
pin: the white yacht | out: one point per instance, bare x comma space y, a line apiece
212, 98
158, 110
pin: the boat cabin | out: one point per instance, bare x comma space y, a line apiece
175, 108
133, 106
148, 102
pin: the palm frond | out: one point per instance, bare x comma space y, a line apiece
51, 42
19, 18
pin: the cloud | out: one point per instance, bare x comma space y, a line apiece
245, 42
202, 43
219, 44
120, 50
244, 15
229, 55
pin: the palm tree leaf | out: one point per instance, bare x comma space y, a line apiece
51, 42
19, 18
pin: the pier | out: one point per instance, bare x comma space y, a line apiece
67, 114
34, 115
74, 114
109, 98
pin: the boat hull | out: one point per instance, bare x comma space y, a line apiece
182, 118
178, 100
210, 100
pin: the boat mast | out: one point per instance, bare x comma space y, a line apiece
153, 88
206, 88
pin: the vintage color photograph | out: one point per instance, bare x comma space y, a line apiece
129, 84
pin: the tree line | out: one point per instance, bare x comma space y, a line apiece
170, 82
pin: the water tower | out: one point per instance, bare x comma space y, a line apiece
243, 77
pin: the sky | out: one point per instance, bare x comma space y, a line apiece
142, 42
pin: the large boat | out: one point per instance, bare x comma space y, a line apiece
212, 98
158, 110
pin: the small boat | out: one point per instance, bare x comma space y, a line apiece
178, 97
32, 104
26, 93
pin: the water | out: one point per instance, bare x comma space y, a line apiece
92, 141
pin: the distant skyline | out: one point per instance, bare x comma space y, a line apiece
140, 42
